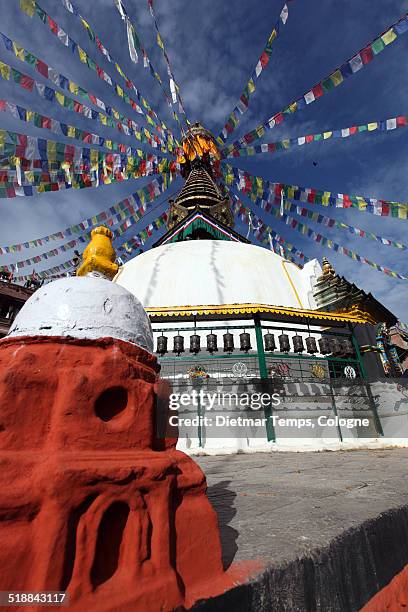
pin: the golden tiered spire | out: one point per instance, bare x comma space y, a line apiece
199, 190
99, 256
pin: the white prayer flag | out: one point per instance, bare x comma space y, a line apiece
131, 42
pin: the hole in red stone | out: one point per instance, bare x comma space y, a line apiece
110, 403
110, 534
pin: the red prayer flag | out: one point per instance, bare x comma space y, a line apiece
317, 90
20, 150
27, 82
366, 55
69, 152
42, 68
385, 210
53, 25
264, 59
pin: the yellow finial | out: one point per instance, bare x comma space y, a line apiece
99, 256
328, 269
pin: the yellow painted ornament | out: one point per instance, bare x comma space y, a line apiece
99, 256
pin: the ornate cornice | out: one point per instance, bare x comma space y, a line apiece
353, 316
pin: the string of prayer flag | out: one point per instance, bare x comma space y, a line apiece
282, 145
336, 78
243, 103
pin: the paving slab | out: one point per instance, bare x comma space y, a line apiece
331, 527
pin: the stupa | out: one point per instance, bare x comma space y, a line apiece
92, 502
227, 312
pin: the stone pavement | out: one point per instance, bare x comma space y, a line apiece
332, 527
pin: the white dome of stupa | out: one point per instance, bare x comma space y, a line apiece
84, 307
215, 272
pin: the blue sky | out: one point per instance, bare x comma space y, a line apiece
213, 47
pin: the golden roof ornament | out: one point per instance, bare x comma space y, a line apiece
327, 268
99, 256
196, 143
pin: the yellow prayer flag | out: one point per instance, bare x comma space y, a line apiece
103, 118
402, 212
272, 36
115, 113
388, 37
159, 41
327, 135
120, 91
260, 130
108, 144
30, 115
73, 87
60, 97
94, 156
29, 176
336, 77
286, 144
82, 55
372, 126
51, 147
119, 69
18, 51
326, 198
149, 120
28, 6
71, 131
3, 134
41, 188
4, 71
251, 86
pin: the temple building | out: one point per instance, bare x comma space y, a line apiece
226, 312
12, 298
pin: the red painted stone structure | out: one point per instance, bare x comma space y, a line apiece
393, 597
91, 501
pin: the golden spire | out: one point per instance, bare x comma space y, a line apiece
328, 269
99, 256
